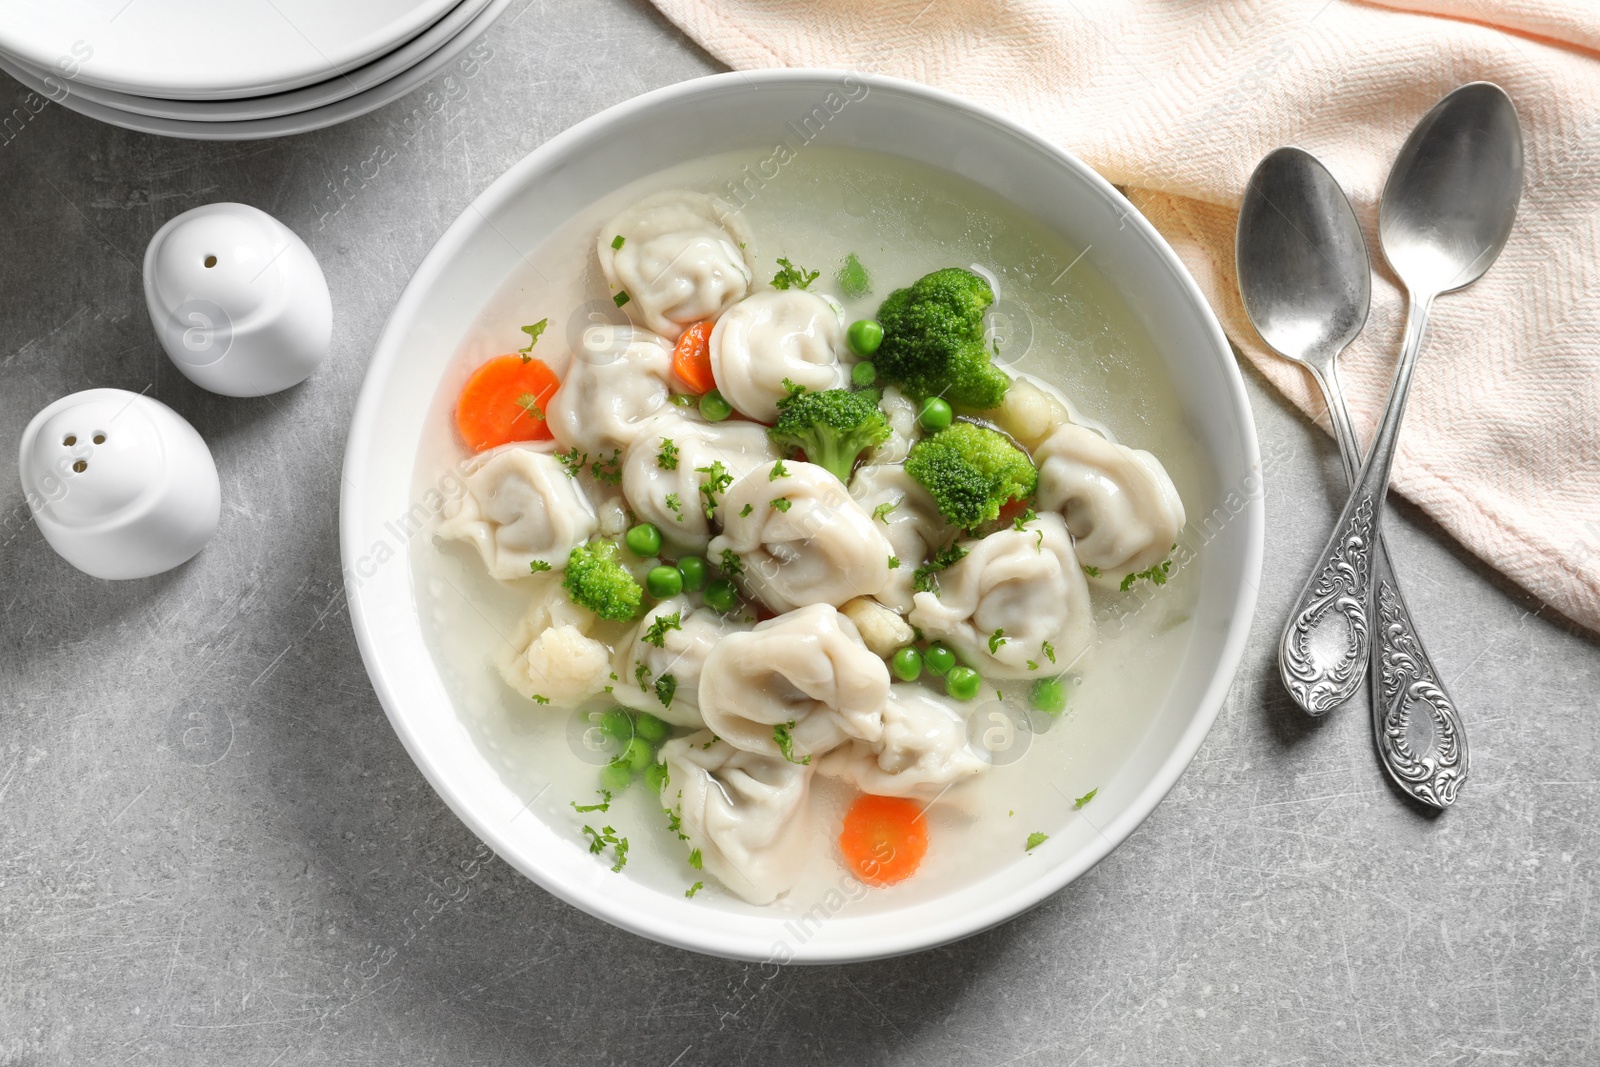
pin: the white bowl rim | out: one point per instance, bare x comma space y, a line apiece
1004, 907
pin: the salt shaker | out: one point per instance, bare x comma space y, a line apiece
237, 299
119, 484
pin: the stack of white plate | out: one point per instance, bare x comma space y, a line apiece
233, 70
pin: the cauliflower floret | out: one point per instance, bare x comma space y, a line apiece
882, 629
551, 658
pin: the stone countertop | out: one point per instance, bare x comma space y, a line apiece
215, 850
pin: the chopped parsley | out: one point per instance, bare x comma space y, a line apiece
881, 512
1049, 650
731, 564
997, 639
1093, 572
621, 298
616, 242
603, 805
667, 458
717, 480
923, 580
533, 333
599, 839
746, 510
692, 890
539, 699
1036, 839
674, 505
1022, 520
608, 469
785, 742
1033, 665
530, 403
778, 471
695, 860
781, 503
666, 689
573, 461
537, 566
641, 674
894, 563
853, 279
1081, 801
1156, 574
657, 634
790, 276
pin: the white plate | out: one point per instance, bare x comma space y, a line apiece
205, 49
283, 125
691, 121
276, 105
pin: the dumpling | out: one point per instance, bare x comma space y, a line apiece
616, 381
519, 506
672, 498
912, 525
809, 668
923, 751
771, 336
801, 538
901, 412
1120, 505
681, 655
550, 658
1022, 590
682, 257
745, 812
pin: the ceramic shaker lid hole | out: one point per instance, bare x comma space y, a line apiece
237, 299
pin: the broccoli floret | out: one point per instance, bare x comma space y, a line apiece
832, 427
933, 340
595, 580
971, 471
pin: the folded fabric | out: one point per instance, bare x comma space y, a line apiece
1176, 100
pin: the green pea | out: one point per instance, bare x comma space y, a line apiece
935, 414
617, 723
651, 728
864, 336
638, 755
906, 663
1049, 695
693, 569
643, 540
615, 776
962, 683
939, 658
863, 374
655, 776
721, 596
664, 581
714, 408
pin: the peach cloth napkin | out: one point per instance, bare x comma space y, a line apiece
1176, 100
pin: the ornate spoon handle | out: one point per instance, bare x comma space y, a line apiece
1415, 723
1328, 639
1426, 754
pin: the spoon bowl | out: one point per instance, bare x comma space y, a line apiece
1451, 198
1303, 269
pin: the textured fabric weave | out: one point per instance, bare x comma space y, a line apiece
1178, 99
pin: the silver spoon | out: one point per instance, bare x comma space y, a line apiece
1307, 284
1447, 210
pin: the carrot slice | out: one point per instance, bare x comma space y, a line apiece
505, 401
691, 360
884, 839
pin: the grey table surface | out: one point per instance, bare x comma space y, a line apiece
213, 849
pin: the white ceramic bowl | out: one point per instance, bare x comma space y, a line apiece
690, 121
